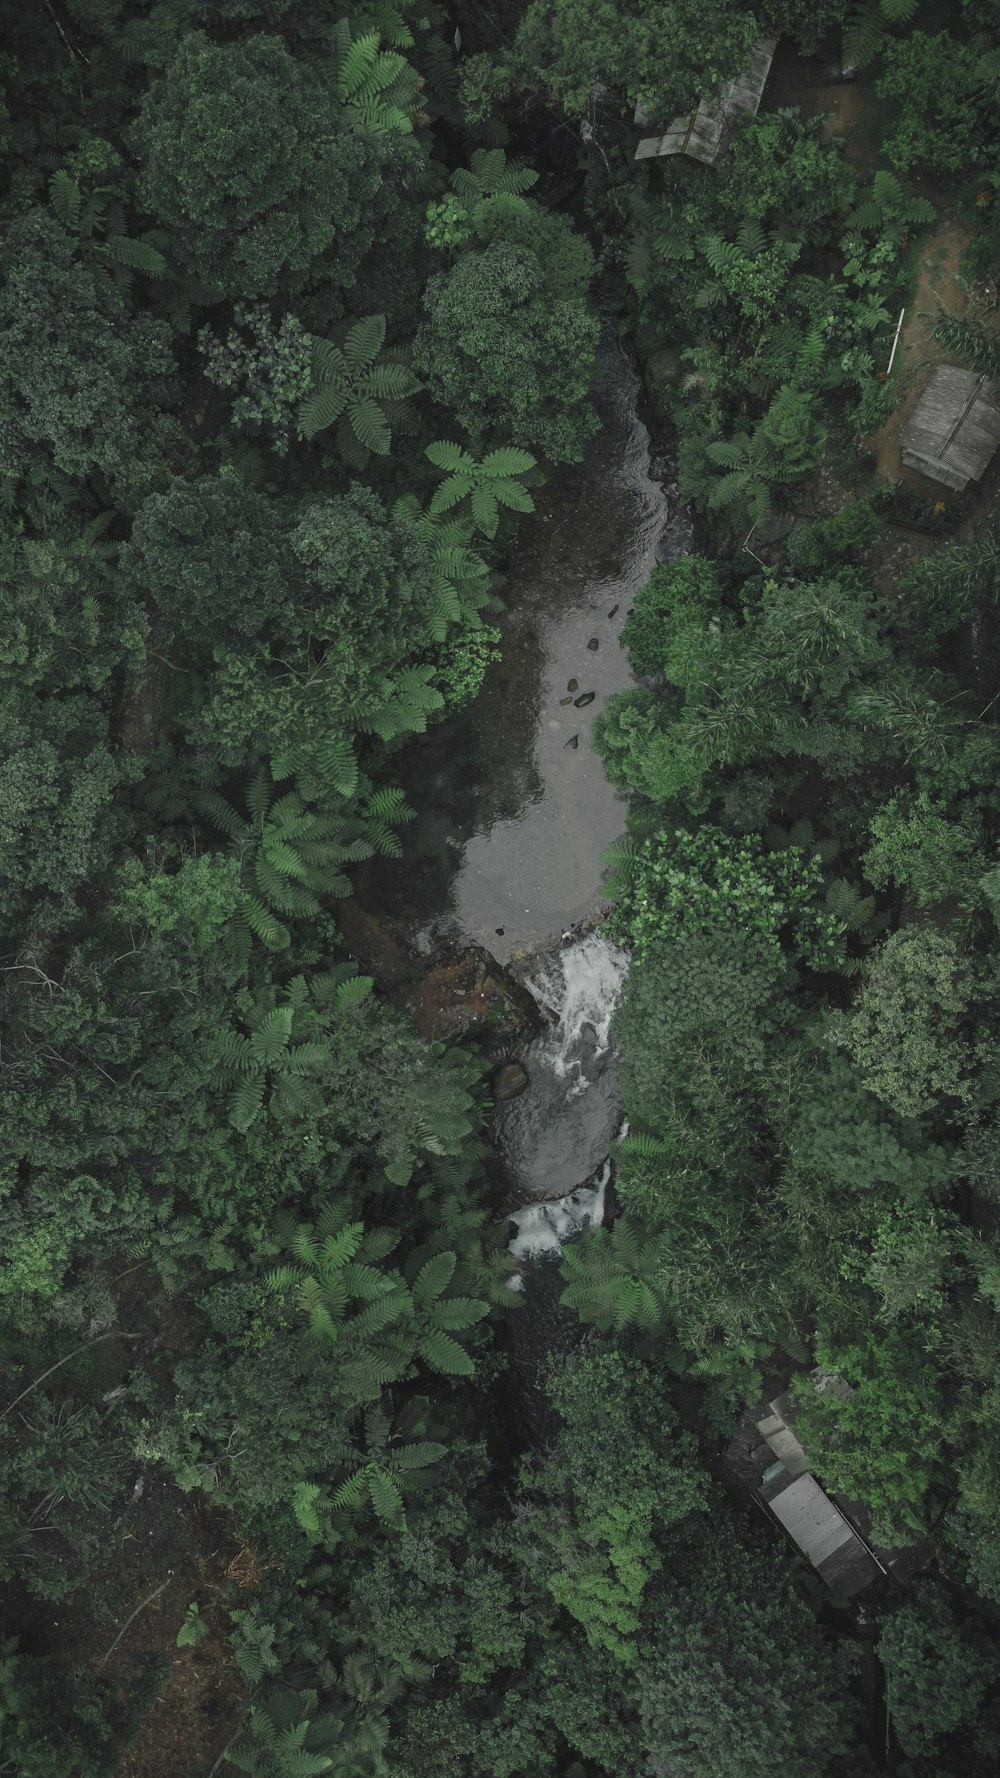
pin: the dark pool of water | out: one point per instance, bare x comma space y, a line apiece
511, 823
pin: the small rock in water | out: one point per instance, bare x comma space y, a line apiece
613, 610
630, 611
509, 1081
573, 685
593, 645
574, 741
499, 931
586, 697
566, 700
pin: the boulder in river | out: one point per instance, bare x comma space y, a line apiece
509, 1081
663, 373
585, 698
613, 610
567, 700
574, 741
593, 645
573, 685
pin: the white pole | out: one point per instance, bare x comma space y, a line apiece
895, 342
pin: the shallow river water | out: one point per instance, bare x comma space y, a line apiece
513, 818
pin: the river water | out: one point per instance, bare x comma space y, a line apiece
514, 812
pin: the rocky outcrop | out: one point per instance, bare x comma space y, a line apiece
509, 1082
454, 989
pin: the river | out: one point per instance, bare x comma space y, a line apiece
514, 814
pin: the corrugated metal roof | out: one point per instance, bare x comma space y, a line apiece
704, 133
955, 427
822, 1533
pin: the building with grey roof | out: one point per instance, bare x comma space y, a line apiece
705, 133
955, 428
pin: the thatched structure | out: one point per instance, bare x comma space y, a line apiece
955, 427
704, 133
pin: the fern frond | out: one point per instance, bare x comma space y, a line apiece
64, 194
434, 1278
364, 342
444, 1354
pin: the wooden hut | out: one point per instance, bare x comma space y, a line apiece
955, 427
819, 1529
817, 1526
705, 133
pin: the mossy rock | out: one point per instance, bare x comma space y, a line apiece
662, 375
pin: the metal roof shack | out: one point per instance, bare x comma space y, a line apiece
820, 1530
955, 427
815, 1524
705, 133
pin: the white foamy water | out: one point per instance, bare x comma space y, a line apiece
579, 986
556, 1137
543, 1228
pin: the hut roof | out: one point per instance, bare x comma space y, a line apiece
815, 1524
955, 427
820, 1530
704, 133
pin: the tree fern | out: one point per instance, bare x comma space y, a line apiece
383, 16
290, 854
405, 708
746, 485
612, 1278
491, 175
95, 227
377, 87
319, 767
887, 209
867, 29
373, 1315
253, 1060
488, 485
354, 384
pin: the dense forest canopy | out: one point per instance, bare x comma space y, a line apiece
300, 307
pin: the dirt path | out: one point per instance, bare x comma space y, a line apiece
939, 290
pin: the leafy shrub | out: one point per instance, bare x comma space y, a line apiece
677, 596
680, 884
937, 1673
880, 1445
906, 1031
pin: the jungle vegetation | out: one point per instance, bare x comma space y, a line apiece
299, 303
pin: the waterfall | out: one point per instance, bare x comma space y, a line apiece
579, 987
544, 1226
555, 1138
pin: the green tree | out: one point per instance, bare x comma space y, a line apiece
729, 1652
676, 885
937, 1672
608, 1493
907, 1031
568, 48
84, 386
880, 1443
508, 354
942, 93
917, 847
250, 161
678, 597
